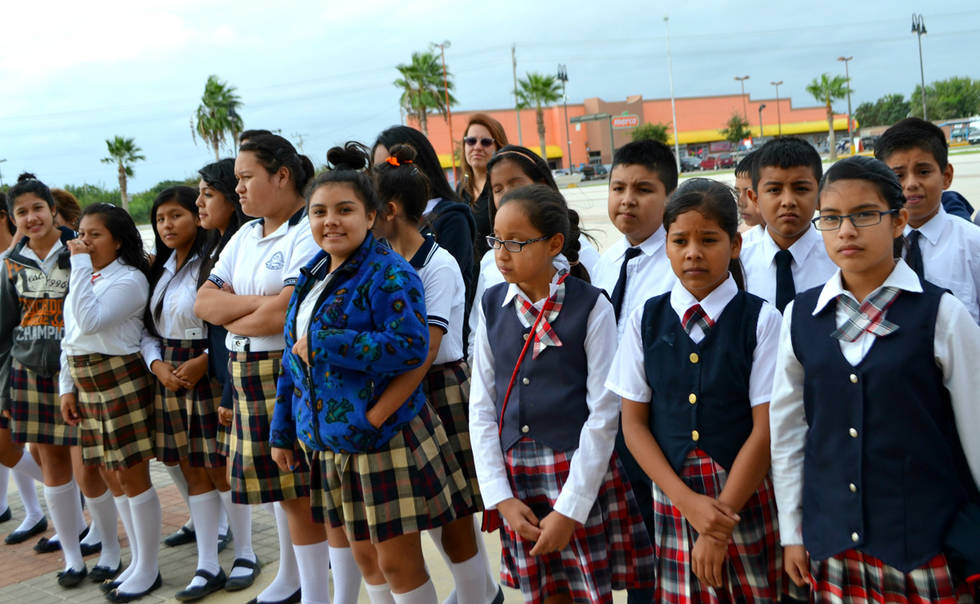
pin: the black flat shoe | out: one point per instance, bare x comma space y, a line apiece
90, 548
6, 515
181, 536
293, 599
101, 574
214, 583
48, 546
499, 598
223, 541
20, 536
108, 585
71, 578
244, 581
117, 596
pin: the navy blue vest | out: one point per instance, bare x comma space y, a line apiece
884, 471
547, 402
700, 391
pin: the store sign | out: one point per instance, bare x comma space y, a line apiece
621, 122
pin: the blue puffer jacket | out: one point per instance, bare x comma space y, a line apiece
368, 327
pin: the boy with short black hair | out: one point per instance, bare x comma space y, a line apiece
939, 249
747, 209
790, 256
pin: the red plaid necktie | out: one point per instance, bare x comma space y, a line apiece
544, 335
696, 316
95, 276
868, 317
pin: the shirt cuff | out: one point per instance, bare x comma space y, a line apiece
496, 491
573, 506
791, 527
81, 261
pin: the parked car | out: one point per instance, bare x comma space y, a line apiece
718, 162
974, 137
601, 171
690, 164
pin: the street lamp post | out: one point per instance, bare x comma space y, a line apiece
1, 175
779, 116
919, 29
445, 87
761, 107
745, 106
673, 107
847, 74
563, 76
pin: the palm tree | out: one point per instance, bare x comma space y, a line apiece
123, 152
422, 87
217, 116
827, 89
537, 90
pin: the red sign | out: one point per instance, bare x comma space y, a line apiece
625, 121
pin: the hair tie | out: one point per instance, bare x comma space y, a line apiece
394, 161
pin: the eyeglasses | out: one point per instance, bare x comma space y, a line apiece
484, 142
860, 220
512, 246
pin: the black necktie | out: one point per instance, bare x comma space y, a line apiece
785, 288
619, 292
914, 255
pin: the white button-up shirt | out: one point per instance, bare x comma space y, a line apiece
174, 293
811, 265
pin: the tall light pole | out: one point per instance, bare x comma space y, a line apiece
745, 106
761, 107
563, 77
779, 115
1, 175
673, 107
847, 74
449, 111
919, 29
517, 104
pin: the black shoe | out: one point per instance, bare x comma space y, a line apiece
293, 599
117, 596
90, 548
499, 598
241, 582
108, 585
182, 536
47, 546
71, 577
102, 574
223, 541
21, 536
6, 515
214, 583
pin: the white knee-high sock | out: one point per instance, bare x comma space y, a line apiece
491, 587
24, 473
145, 509
205, 509
177, 475
287, 579
105, 521
240, 520
379, 594
346, 576
126, 515
470, 577
223, 521
423, 594
62, 500
313, 581
4, 481
436, 536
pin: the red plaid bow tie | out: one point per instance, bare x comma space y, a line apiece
696, 316
868, 317
544, 335
95, 276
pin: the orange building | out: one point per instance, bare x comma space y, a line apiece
700, 121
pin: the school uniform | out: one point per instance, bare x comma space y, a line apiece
702, 377
869, 462
187, 420
261, 265
32, 297
950, 257
365, 324
447, 383
100, 358
752, 234
567, 466
809, 266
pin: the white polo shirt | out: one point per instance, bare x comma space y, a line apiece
445, 297
262, 266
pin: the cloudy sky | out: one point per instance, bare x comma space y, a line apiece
75, 73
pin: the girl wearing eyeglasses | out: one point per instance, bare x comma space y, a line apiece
482, 137
873, 398
542, 424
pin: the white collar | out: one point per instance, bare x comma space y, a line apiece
650, 246
902, 277
933, 228
713, 304
431, 205
800, 249
514, 290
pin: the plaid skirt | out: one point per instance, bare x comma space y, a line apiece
610, 551
447, 388
255, 478
223, 437
187, 420
413, 484
115, 402
852, 576
753, 570
35, 409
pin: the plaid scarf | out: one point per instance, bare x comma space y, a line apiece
544, 335
696, 316
868, 317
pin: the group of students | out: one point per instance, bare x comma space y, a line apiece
695, 415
